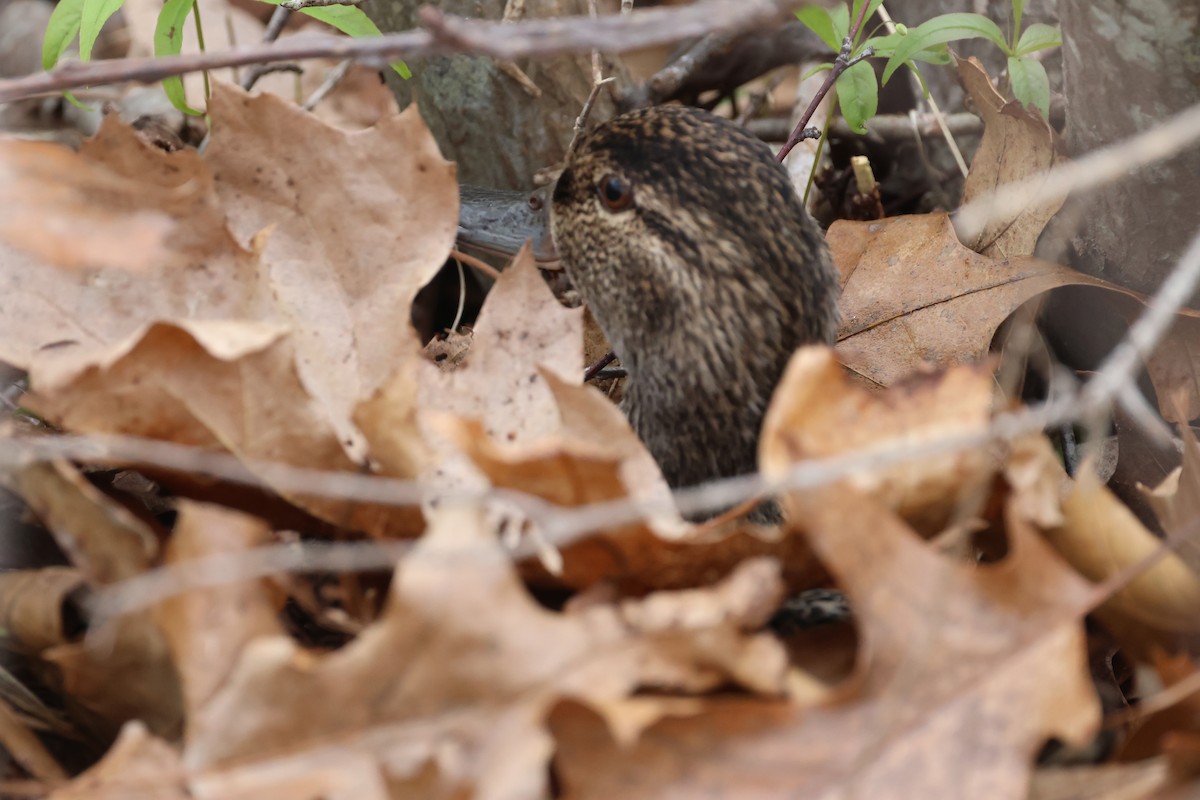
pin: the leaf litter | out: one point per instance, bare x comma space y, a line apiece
258, 305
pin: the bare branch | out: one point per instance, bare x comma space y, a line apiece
539, 38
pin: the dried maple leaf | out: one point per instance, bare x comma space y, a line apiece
449, 688
218, 385
358, 223
964, 671
521, 328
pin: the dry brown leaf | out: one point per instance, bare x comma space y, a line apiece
460, 669
1145, 739
121, 671
206, 629
103, 539
1099, 536
1017, 143
197, 270
341, 232
1141, 781
33, 606
138, 765
217, 385
358, 222
521, 328
964, 671
914, 297
69, 211
817, 411
1176, 501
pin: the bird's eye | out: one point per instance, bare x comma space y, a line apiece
615, 192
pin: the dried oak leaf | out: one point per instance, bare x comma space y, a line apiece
137, 765
521, 328
67, 211
596, 457
213, 384
964, 672
913, 296
340, 232
358, 223
448, 690
817, 411
206, 629
1017, 143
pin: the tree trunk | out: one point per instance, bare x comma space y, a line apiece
482, 118
1129, 64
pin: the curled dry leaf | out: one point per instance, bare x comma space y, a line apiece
964, 671
449, 688
1099, 536
818, 412
103, 539
217, 385
1176, 501
34, 607
1016, 144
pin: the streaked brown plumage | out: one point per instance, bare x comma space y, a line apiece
686, 240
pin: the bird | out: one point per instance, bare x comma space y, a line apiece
687, 241
685, 238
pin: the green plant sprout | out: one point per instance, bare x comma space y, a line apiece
85, 18
857, 89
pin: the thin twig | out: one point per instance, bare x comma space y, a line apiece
594, 370
331, 81
475, 263
296, 5
843, 62
888, 127
584, 113
275, 25
890, 26
540, 38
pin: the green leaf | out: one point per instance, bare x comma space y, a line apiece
941, 30
818, 20
841, 23
95, 14
352, 21
871, 8
168, 41
1018, 7
60, 31
1039, 36
1029, 83
858, 95
828, 65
